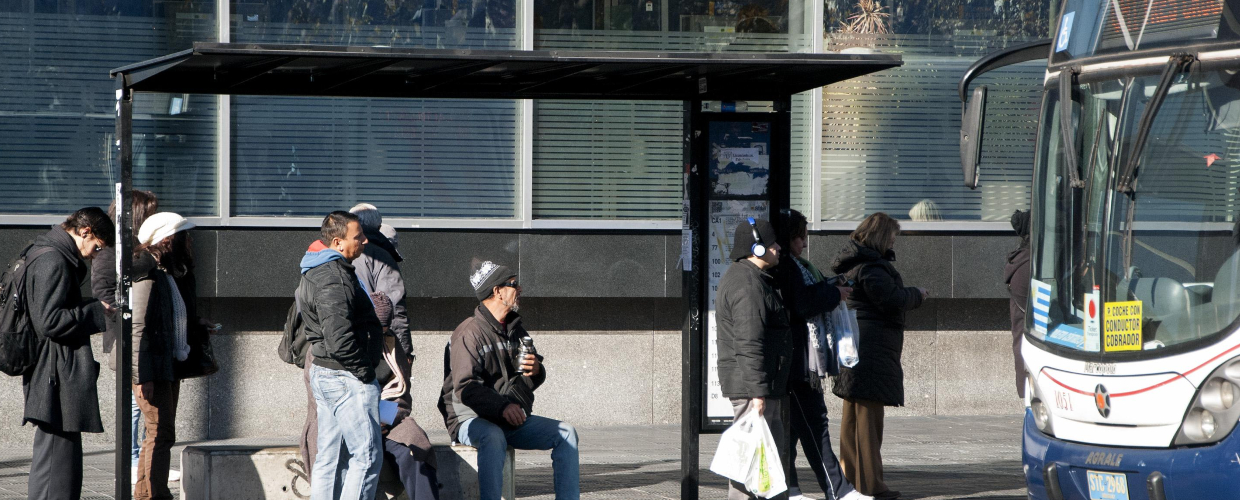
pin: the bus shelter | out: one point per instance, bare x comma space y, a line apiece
737, 149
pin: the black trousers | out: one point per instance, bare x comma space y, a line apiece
420, 479
56, 467
809, 426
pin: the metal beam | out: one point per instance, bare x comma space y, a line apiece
124, 263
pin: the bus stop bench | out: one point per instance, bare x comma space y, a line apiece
239, 472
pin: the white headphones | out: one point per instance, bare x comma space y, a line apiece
758, 250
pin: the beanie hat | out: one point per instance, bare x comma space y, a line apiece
160, 226
742, 241
488, 276
1020, 222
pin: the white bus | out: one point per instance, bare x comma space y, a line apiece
1132, 344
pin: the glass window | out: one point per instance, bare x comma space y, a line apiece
625, 159
58, 130
411, 157
1160, 246
890, 141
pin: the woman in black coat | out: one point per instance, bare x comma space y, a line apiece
809, 299
166, 329
880, 300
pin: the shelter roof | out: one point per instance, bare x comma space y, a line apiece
348, 71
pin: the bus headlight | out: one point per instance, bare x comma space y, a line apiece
1214, 411
1041, 416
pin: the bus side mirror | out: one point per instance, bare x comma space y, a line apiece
971, 136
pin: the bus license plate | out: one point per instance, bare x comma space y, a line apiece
1107, 486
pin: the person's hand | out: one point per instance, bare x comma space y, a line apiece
758, 404
514, 415
925, 294
107, 308
845, 291
530, 365
147, 389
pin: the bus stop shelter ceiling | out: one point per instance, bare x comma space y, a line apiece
342, 71
373, 72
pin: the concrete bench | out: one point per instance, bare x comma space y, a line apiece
240, 472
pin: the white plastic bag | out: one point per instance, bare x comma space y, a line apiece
845, 322
766, 473
747, 454
737, 447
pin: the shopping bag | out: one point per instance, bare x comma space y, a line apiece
766, 473
738, 446
845, 322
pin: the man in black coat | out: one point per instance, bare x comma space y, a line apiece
755, 348
61, 396
1016, 274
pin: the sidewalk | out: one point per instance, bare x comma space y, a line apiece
928, 458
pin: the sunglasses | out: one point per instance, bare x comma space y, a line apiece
512, 283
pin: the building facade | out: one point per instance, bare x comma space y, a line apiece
584, 198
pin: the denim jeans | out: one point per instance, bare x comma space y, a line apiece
537, 433
135, 425
348, 413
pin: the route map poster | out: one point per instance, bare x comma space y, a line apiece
739, 176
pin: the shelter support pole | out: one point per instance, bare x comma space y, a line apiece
124, 261
692, 390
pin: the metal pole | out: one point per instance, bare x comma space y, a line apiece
124, 262
691, 401
780, 189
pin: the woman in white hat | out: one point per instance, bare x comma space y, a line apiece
165, 326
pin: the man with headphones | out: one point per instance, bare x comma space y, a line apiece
754, 334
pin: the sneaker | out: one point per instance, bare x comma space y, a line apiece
174, 475
856, 495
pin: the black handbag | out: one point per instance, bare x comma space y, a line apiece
201, 360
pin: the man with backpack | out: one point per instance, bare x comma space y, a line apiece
62, 400
345, 338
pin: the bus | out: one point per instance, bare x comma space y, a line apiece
1132, 342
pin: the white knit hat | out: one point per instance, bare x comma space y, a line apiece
162, 225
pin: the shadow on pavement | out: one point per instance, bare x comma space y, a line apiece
994, 481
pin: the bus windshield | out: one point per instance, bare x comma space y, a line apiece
1169, 246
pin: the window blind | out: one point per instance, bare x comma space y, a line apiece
57, 115
423, 158
891, 139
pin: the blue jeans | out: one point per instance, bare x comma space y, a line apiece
135, 425
537, 433
348, 413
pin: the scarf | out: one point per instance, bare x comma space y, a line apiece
820, 331
180, 344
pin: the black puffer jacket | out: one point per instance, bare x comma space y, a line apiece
755, 348
61, 390
341, 325
880, 299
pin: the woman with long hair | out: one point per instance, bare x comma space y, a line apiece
103, 286
877, 380
164, 314
809, 299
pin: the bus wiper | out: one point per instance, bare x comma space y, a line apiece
1067, 80
1177, 64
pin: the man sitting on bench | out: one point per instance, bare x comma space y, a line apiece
488, 394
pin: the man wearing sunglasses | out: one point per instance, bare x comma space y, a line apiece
62, 399
754, 334
488, 395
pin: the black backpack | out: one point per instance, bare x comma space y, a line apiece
19, 344
293, 343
